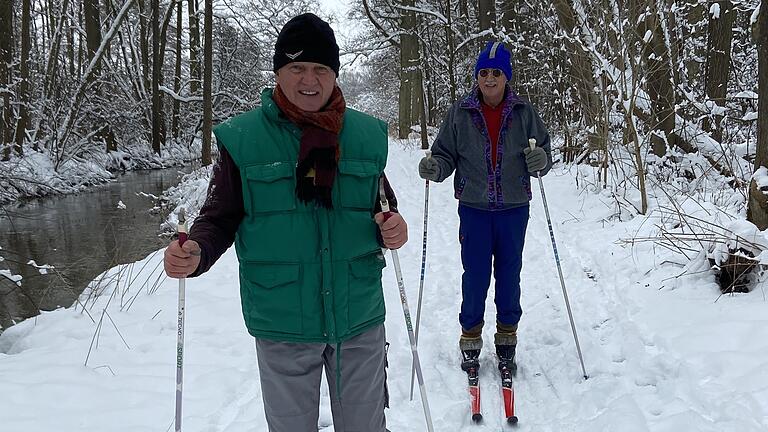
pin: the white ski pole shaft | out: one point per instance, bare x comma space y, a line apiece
532, 144
423, 271
407, 314
182, 231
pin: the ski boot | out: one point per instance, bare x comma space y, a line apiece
470, 347
506, 341
470, 363
506, 356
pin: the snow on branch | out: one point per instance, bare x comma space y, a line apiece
179, 97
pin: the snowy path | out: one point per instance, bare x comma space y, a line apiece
634, 384
661, 355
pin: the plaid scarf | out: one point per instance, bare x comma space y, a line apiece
319, 145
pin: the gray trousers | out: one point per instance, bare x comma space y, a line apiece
290, 383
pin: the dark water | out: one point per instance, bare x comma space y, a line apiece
81, 235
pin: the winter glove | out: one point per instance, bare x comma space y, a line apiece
536, 159
428, 169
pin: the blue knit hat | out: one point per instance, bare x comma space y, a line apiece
495, 56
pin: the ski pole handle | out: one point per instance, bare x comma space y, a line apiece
532, 145
181, 229
387, 213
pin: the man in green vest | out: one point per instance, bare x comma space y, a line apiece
296, 189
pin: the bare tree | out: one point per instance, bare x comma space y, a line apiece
6, 60
510, 29
581, 73
660, 81
486, 11
207, 84
70, 117
720, 35
409, 62
71, 41
177, 73
449, 36
757, 210
24, 99
144, 42
93, 41
157, 65
194, 47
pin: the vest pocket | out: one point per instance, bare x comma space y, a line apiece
272, 297
271, 186
358, 183
366, 298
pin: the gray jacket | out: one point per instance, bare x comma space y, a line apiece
463, 145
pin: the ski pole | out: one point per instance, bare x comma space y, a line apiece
532, 144
423, 270
182, 231
406, 312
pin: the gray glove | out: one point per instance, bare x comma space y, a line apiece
536, 159
429, 169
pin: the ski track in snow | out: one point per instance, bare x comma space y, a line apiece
633, 385
644, 339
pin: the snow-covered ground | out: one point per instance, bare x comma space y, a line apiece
663, 351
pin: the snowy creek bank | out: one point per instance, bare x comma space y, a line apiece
58, 245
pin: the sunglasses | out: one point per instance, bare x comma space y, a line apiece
484, 72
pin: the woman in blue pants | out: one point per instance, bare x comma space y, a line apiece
484, 139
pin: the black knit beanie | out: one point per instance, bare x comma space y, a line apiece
306, 38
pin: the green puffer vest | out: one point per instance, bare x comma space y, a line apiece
307, 274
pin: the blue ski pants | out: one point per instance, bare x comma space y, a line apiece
491, 236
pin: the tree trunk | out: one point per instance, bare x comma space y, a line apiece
194, 48
409, 46
720, 35
464, 10
44, 18
71, 42
207, 84
144, 43
660, 83
156, 73
508, 14
51, 19
418, 89
449, 36
639, 163
21, 126
80, 49
166, 19
486, 11
757, 209
582, 75
177, 74
93, 41
6, 60
92, 33
694, 34
423, 122
510, 29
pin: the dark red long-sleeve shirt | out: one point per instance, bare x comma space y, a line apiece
215, 228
